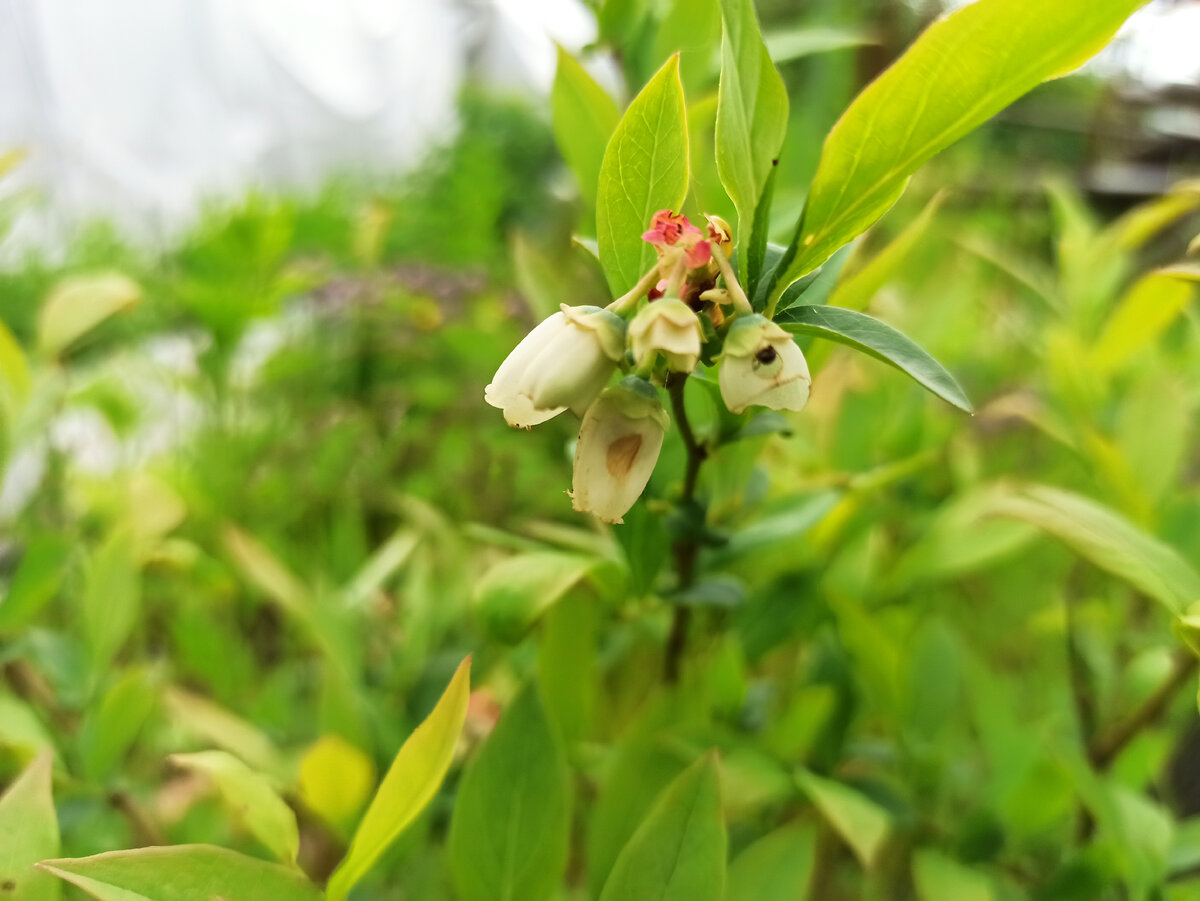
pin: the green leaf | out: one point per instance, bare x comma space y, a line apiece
335, 780
111, 599
879, 340
251, 797
567, 663
78, 304
938, 878
959, 73
752, 112
1109, 541
862, 824
1143, 313
182, 873
645, 169
111, 727
777, 867
791, 44
213, 723
514, 593
511, 825
410, 784
756, 247
36, 580
814, 289
855, 292
584, 118
28, 833
691, 28
678, 852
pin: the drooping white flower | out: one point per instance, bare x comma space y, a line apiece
670, 327
762, 365
619, 442
564, 362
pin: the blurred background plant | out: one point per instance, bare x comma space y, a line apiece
253, 500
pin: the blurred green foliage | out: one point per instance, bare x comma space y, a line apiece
266, 511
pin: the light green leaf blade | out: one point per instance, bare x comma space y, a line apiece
567, 667
879, 340
777, 867
790, 44
862, 824
112, 597
511, 824
752, 112
515, 592
214, 724
78, 304
28, 833
678, 852
1107, 540
182, 873
645, 169
410, 783
856, 291
251, 797
959, 73
584, 118
1151, 305
36, 580
112, 726
939, 878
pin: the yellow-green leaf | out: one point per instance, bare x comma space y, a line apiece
182, 873
252, 798
409, 785
78, 304
862, 824
584, 118
28, 833
336, 779
855, 291
1143, 313
752, 112
645, 169
960, 72
939, 878
678, 852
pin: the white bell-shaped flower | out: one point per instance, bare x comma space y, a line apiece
761, 365
619, 442
564, 362
670, 327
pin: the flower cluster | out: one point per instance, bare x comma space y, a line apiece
674, 318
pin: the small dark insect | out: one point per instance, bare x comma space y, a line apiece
766, 355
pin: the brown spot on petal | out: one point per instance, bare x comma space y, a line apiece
621, 455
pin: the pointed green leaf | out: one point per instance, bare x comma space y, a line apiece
678, 852
879, 340
410, 783
856, 291
777, 867
515, 592
1108, 540
938, 878
645, 169
791, 44
182, 873
508, 838
112, 597
752, 112
1143, 313
584, 118
250, 795
112, 726
36, 580
862, 824
78, 304
28, 833
960, 72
